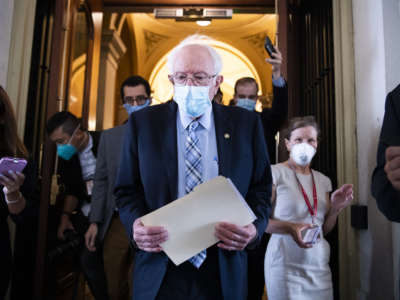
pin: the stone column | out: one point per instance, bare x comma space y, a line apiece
6, 12
17, 20
112, 49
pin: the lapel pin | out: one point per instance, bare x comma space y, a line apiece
227, 136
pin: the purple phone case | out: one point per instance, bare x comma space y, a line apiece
13, 164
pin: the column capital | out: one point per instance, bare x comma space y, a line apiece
112, 46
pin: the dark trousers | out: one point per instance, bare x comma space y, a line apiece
93, 269
92, 263
185, 282
255, 261
6, 258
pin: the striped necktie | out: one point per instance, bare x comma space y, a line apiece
193, 175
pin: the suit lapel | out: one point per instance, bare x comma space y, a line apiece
169, 147
224, 135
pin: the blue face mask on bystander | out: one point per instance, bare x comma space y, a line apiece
246, 104
192, 100
66, 151
132, 108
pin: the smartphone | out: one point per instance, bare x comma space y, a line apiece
311, 235
12, 164
269, 47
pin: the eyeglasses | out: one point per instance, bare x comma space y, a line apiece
252, 97
138, 100
199, 78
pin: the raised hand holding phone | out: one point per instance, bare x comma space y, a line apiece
11, 177
275, 58
269, 47
12, 164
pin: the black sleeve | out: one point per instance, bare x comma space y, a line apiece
259, 194
273, 118
71, 178
387, 198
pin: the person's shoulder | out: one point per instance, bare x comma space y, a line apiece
394, 95
278, 170
396, 90
95, 133
155, 108
321, 176
237, 112
153, 111
114, 130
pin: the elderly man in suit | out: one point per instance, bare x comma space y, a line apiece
106, 226
170, 148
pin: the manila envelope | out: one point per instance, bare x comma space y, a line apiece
190, 220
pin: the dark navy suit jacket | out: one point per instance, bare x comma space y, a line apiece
387, 197
148, 174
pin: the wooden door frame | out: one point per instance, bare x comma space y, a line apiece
60, 63
47, 167
346, 142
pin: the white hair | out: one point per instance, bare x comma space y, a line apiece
196, 39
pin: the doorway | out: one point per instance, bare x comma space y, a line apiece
305, 32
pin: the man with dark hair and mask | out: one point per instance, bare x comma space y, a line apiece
169, 149
246, 96
77, 151
105, 225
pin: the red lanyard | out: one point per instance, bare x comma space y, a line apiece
313, 211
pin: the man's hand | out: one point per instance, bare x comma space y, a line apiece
276, 63
392, 166
234, 237
65, 223
90, 237
149, 238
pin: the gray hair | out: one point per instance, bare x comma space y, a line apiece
196, 39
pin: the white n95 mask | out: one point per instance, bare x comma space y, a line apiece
192, 100
302, 154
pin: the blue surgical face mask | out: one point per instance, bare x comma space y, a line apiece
66, 151
192, 100
246, 104
132, 108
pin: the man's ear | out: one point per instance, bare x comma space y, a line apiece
171, 79
79, 133
287, 142
219, 80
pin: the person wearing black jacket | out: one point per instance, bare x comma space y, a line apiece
246, 95
77, 150
17, 199
385, 185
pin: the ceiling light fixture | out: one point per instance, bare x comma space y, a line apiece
193, 14
203, 23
